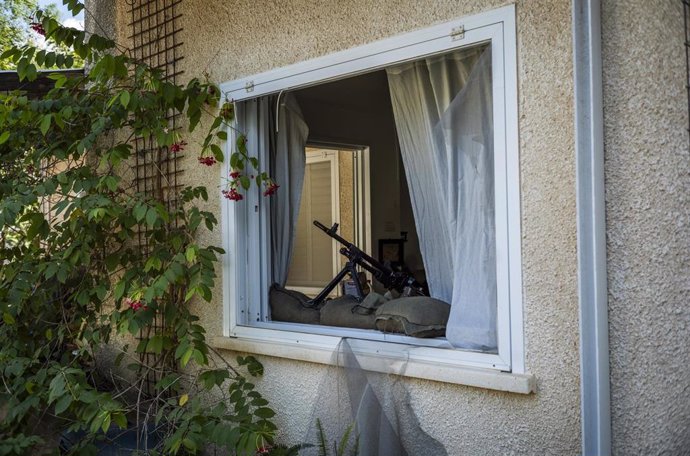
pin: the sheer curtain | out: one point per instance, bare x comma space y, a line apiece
443, 114
369, 397
280, 132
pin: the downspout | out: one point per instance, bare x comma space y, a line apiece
591, 230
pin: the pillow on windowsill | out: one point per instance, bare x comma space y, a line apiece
289, 306
416, 316
346, 312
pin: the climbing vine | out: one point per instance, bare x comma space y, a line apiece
74, 278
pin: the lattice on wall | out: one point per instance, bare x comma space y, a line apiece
155, 41
154, 35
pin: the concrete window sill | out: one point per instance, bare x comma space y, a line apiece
370, 354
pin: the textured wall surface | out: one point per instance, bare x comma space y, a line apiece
648, 195
239, 38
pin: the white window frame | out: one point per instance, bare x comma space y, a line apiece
426, 358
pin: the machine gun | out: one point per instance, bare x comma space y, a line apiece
392, 280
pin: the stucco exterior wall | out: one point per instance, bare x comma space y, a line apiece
647, 205
234, 39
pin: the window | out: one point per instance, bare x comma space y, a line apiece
469, 159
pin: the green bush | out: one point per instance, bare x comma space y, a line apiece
74, 276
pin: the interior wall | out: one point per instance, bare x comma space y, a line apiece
346, 196
364, 122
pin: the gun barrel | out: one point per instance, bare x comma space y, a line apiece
333, 232
353, 249
320, 225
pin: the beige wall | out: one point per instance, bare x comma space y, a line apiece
234, 39
648, 230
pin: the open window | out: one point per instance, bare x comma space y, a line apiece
410, 146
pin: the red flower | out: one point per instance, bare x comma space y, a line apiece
271, 189
178, 146
263, 451
208, 161
135, 305
232, 194
235, 174
38, 28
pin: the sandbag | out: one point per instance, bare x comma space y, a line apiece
416, 316
346, 312
289, 305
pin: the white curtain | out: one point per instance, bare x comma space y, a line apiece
284, 147
443, 114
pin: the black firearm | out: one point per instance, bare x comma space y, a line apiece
391, 280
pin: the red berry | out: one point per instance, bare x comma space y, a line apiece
38, 28
271, 189
208, 161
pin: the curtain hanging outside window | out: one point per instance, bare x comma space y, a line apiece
285, 149
443, 114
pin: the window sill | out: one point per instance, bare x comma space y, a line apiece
370, 355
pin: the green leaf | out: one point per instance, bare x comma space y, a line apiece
45, 123
8, 318
151, 217
124, 98
155, 344
60, 81
190, 254
189, 444
187, 356
56, 388
139, 211
62, 404
205, 292
4, 136
106, 423
120, 420
199, 357
264, 412
153, 263
119, 290
217, 152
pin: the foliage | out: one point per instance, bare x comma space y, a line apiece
281, 450
14, 32
339, 448
89, 261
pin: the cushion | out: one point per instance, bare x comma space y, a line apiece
416, 316
346, 312
371, 302
290, 305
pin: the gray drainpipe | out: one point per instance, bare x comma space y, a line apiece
591, 230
